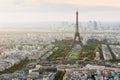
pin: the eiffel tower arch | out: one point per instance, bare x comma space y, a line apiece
77, 37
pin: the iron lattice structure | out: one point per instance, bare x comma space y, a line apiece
77, 34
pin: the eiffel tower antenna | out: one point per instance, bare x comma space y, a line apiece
77, 34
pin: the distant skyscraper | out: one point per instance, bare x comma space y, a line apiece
95, 25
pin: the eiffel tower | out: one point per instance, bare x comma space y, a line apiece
77, 34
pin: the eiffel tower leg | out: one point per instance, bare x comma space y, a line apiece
80, 42
74, 40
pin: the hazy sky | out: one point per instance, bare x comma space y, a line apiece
58, 10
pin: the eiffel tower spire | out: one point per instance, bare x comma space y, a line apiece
77, 34
77, 21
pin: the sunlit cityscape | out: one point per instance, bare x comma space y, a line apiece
59, 40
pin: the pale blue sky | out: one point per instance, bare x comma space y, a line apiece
58, 10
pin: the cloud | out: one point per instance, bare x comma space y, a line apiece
44, 6
51, 10
113, 3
